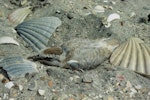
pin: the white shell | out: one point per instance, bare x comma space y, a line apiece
41, 92
112, 17
19, 15
9, 85
134, 55
8, 40
99, 9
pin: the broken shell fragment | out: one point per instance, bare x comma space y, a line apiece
19, 15
112, 17
88, 54
8, 40
134, 55
36, 32
99, 9
17, 67
9, 84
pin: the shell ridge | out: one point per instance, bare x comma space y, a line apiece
34, 40
146, 58
31, 44
39, 37
126, 55
140, 59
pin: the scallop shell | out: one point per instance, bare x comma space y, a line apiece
19, 15
88, 54
134, 55
8, 40
17, 66
36, 32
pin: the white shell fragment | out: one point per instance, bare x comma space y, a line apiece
17, 67
36, 32
112, 17
9, 84
8, 40
99, 9
41, 92
19, 15
134, 55
88, 54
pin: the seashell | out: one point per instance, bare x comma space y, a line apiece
17, 66
19, 15
36, 32
8, 40
112, 17
88, 54
99, 9
134, 55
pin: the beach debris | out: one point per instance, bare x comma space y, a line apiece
41, 92
98, 9
19, 15
87, 54
133, 54
111, 17
20, 87
32, 85
36, 32
9, 85
17, 66
52, 51
8, 40
133, 14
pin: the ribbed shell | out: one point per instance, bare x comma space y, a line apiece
134, 55
19, 15
36, 32
17, 66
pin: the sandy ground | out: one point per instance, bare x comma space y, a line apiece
79, 21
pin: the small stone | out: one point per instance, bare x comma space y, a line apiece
20, 87
1, 77
110, 98
138, 87
41, 92
149, 93
50, 83
9, 85
87, 78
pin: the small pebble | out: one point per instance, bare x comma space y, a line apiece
41, 92
20, 87
138, 87
50, 83
1, 77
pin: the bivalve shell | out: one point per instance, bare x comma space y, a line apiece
19, 15
112, 17
36, 32
99, 9
8, 40
134, 55
17, 66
